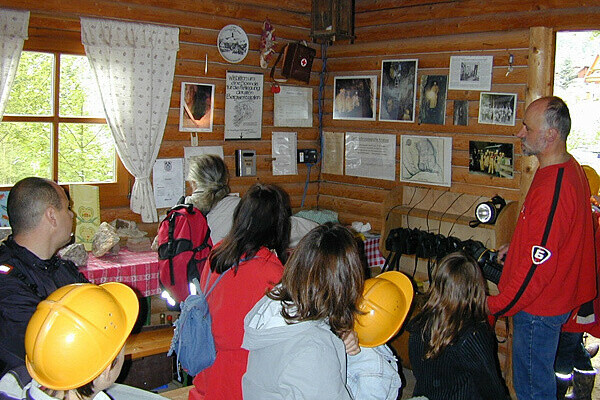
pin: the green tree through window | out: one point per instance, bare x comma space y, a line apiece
61, 136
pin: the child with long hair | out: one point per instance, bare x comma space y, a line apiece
294, 332
250, 261
452, 348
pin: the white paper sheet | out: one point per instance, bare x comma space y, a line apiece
371, 155
167, 178
293, 107
283, 151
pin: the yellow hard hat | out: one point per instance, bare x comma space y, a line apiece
593, 178
385, 303
77, 332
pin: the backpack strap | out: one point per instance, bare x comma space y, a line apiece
208, 290
281, 53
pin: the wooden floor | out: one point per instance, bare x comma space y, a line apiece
177, 394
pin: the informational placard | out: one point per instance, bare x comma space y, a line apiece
283, 151
168, 181
243, 105
293, 107
371, 155
86, 206
333, 154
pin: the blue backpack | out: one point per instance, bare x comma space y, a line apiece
193, 339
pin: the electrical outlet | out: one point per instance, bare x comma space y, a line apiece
307, 156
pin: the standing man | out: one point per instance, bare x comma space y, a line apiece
42, 222
549, 268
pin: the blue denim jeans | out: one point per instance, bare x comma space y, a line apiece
535, 341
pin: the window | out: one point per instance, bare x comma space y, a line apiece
54, 125
577, 82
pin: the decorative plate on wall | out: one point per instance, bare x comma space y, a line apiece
232, 43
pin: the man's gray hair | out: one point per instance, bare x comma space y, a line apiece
28, 200
210, 180
557, 116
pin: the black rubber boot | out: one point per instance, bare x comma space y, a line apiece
562, 385
583, 384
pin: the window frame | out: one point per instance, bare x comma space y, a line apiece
112, 194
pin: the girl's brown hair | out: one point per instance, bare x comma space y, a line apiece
323, 279
457, 298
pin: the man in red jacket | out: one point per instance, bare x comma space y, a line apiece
549, 269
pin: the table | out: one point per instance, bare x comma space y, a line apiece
138, 270
374, 256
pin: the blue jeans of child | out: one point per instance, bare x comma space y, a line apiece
535, 341
572, 354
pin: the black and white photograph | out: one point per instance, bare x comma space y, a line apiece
196, 108
433, 99
497, 108
354, 97
490, 158
398, 90
461, 112
471, 72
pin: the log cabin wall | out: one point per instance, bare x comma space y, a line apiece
432, 31
54, 26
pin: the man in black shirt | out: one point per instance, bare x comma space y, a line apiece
42, 222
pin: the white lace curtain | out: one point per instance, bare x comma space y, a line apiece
13, 32
134, 66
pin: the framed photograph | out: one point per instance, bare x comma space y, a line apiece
497, 108
433, 99
398, 94
471, 72
196, 108
461, 112
354, 97
426, 159
490, 158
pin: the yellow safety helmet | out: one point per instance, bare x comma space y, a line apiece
593, 178
385, 304
77, 332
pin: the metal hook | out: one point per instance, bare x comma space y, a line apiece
511, 60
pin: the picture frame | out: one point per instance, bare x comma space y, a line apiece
471, 72
426, 159
460, 112
355, 97
491, 158
497, 108
398, 91
196, 107
432, 108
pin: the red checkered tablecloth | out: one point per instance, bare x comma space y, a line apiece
139, 271
374, 256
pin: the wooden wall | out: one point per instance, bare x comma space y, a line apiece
429, 30
432, 31
54, 25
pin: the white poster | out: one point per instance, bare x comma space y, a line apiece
426, 159
243, 105
371, 155
470, 72
293, 107
168, 181
283, 151
190, 152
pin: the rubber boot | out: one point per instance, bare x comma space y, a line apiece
562, 385
583, 384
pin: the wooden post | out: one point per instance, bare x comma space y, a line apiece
540, 81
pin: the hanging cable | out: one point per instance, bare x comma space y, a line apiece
445, 211
432, 204
322, 80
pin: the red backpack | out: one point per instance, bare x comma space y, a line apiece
183, 247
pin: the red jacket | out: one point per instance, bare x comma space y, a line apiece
549, 268
230, 301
